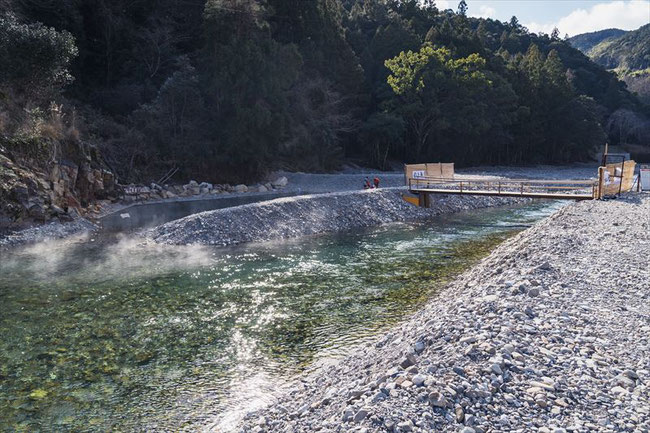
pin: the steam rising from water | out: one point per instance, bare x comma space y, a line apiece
131, 335
88, 257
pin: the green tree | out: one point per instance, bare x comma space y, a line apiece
246, 77
432, 91
555, 34
462, 8
34, 59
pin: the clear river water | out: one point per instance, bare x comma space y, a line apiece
113, 334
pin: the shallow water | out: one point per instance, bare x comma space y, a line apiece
111, 334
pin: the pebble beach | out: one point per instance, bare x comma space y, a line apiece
549, 333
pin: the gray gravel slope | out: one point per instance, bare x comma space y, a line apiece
307, 215
550, 333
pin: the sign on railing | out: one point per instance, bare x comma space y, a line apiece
644, 177
431, 169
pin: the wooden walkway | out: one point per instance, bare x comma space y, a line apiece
549, 189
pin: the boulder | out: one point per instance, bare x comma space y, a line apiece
241, 188
206, 185
280, 182
109, 181
36, 211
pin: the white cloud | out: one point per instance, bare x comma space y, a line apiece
622, 14
446, 4
484, 12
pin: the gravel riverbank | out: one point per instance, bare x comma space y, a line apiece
49, 231
307, 215
299, 184
550, 333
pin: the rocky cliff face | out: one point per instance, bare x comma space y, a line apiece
29, 195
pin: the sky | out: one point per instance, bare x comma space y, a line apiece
569, 16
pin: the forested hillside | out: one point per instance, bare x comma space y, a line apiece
226, 90
630, 52
626, 53
586, 41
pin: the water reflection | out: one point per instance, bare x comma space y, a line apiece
117, 334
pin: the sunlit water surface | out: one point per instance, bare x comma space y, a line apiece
115, 335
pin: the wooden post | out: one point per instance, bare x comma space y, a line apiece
601, 177
425, 199
620, 185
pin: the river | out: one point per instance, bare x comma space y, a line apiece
110, 333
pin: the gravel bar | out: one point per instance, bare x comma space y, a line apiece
292, 217
46, 232
549, 333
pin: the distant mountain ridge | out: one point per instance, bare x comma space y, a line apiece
586, 41
626, 53
629, 52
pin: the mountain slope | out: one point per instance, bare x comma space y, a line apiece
630, 52
627, 54
586, 41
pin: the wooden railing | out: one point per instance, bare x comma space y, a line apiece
573, 189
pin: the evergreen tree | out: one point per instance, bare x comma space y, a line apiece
555, 34
462, 8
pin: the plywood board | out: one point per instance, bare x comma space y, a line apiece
447, 170
414, 171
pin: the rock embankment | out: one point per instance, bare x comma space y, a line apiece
550, 333
306, 215
60, 191
139, 193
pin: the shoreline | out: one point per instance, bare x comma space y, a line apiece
546, 334
299, 184
294, 217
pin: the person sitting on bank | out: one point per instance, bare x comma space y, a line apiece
366, 184
376, 182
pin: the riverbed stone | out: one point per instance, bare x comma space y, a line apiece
280, 182
408, 360
360, 415
418, 379
555, 360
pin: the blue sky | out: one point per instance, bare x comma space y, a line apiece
572, 17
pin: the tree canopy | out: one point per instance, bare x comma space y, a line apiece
228, 89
